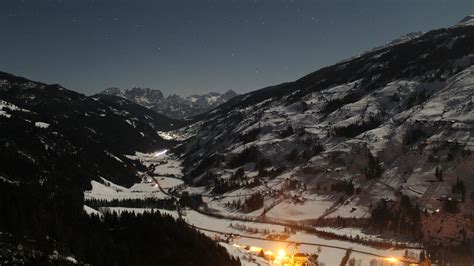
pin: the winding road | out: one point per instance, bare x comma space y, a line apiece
178, 209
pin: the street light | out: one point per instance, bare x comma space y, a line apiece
391, 259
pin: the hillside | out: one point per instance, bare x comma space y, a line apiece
371, 156
173, 106
54, 143
49, 131
395, 121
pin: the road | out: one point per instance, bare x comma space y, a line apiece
293, 242
428, 194
178, 209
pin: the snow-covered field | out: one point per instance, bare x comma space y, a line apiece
350, 211
300, 211
246, 258
330, 256
110, 191
313, 207
167, 173
91, 211
165, 165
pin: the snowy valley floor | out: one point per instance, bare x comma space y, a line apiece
245, 233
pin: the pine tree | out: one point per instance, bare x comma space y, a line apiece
439, 174
346, 257
422, 256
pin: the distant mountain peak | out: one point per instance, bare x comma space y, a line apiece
112, 91
174, 106
466, 21
406, 37
230, 93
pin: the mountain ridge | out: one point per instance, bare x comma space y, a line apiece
174, 106
46, 126
393, 122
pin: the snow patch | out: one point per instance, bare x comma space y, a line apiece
467, 21
113, 156
91, 211
6, 106
110, 191
71, 260
41, 125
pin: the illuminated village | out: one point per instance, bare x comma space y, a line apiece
281, 257
237, 132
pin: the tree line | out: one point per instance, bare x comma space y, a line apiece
41, 214
404, 218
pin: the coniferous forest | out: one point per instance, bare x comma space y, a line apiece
52, 221
344, 142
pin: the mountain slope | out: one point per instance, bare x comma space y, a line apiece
357, 95
390, 122
53, 142
155, 120
49, 131
428, 56
174, 105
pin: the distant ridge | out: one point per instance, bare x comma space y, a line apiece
173, 106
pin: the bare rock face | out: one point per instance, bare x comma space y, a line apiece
173, 106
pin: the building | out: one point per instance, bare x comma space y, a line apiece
383, 262
406, 262
300, 259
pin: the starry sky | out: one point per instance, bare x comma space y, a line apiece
197, 46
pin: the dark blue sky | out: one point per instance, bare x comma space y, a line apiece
198, 46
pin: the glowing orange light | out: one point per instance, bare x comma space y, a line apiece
268, 252
281, 254
255, 249
391, 259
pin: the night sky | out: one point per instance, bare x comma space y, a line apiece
198, 46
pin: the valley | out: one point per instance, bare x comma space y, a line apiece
236, 230
364, 162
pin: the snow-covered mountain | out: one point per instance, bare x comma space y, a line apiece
54, 145
394, 121
174, 105
48, 131
467, 21
363, 143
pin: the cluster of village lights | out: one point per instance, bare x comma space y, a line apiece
281, 256
276, 258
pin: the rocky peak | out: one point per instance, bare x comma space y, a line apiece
112, 91
150, 94
467, 21
174, 106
